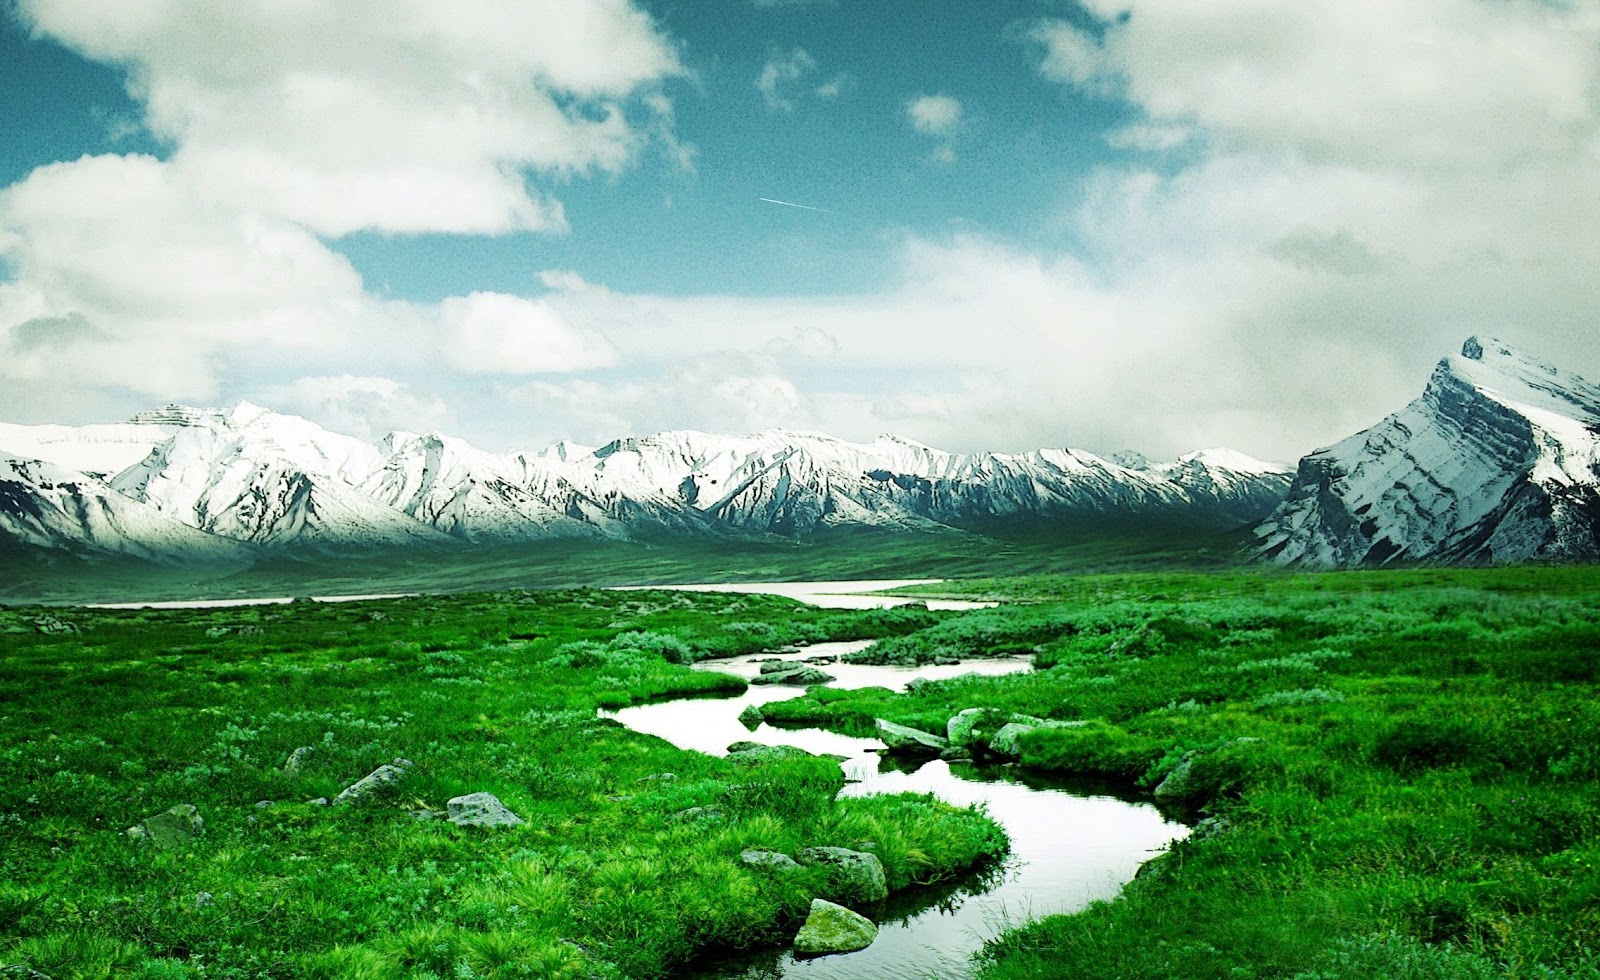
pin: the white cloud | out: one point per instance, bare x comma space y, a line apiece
365, 407
406, 116
935, 115
836, 86
780, 75
496, 333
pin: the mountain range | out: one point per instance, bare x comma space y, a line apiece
1498, 460
180, 482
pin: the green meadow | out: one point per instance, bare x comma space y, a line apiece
1393, 774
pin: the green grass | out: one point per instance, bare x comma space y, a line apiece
1423, 800
1404, 767
136, 711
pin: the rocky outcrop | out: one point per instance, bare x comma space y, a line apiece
831, 928
1498, 461
169, 829
481, 810
382, 782
772, 860
856, 877
791, 673
905, 740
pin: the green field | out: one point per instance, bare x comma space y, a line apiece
1402, 771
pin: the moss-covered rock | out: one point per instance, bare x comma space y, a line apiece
831, 928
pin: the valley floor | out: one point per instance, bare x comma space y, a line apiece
1399, 775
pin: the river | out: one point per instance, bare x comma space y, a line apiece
1070, 845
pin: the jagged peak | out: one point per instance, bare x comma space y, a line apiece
1519, 380
1221, 457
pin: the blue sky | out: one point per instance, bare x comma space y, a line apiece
1116, 223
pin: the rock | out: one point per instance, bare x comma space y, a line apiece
481, 810
822, 661
974, 728
903, 738
773, 665
1178, 783
202, 899
660, 777
263, 804
382, 781
751, 717
857, 876
768, 859
942, 660
696, 814
1005, 741
953, 754
831, 928
426, 814
795, 674
320, 801
1211, 827
750, 753
297, 759
170, 828
20, 972
51, 626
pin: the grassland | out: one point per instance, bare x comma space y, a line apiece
1402, 769
1399, 774
108, 717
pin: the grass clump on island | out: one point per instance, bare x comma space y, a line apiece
1402, 768
108, 717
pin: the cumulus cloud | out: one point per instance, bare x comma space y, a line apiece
935, 115
413, 117
496, 333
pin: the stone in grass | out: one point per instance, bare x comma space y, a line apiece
751, 717
382, 781
297, 760
170, 828
857, 876
754, 753
696, 814
831, 928
20, 972
904, 738
775, 860
481, 810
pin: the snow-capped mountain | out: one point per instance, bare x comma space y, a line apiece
250, 475
47, 506
1498, 461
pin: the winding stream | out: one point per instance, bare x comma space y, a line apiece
1070, 846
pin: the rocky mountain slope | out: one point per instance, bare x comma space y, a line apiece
1498, 461
250, 476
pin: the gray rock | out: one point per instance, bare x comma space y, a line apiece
660, 777
320, 801
751, 717
768, 859
202, 899
751, 753
296, 760
20, 972
1177, 782
905, 739
481, 810
263, 804
1005, 741
696, 814
170, 828
857, 876
795, 674
831, 928
51, 626
380, 782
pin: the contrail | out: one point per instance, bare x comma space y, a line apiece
803, 207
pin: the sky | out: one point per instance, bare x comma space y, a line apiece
1156, 225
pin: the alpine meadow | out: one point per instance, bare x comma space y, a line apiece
757, 489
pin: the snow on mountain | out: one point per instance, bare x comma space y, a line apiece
252, 475
43, 505
1498, 461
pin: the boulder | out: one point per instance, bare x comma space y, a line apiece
795, 674
1005, 741
20, 972
831, 928
751, 717
696, 814
1179, 782
170, 828
481, 810
974, 728
296, 760
380, 782
752, 753
903, 738
775, 860
857, 877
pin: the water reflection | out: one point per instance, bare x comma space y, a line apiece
1071, 843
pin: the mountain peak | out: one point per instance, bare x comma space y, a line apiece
1520, 381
